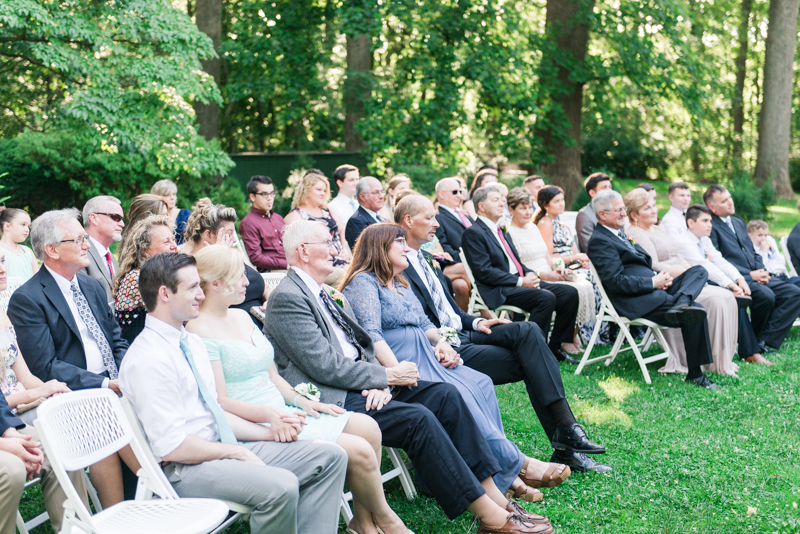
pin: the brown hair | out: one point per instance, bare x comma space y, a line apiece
756, 224
7, 215
207, 216
546, 194
371, 254
517, 196
141, 208
398, 179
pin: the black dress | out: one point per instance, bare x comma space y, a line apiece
254, 294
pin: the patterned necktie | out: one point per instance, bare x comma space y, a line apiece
509, 252
729, 222
110, 265
441, 312
97, 333
463, 218
380, 217
337, 316
622, 235
226, 434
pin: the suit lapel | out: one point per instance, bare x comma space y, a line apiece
447, 213
101, 264
414, 278
56, 298
321, 321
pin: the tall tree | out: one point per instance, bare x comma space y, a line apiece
774, 122
737, 104
208, 16
358, 20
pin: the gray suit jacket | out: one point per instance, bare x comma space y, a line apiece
98, 269
584, 226
307, 349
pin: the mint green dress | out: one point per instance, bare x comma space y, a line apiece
246, 369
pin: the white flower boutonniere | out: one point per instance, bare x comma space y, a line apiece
558, 263
450, 335
309, 391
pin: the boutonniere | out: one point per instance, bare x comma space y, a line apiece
450, 335
632, 240
432, 262
309, 391
503, 228
338, 298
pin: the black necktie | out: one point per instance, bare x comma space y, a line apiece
334, 309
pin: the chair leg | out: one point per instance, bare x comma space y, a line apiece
590, 346
347, 514
405, 476
92, 492
615, 349
638, 354
21, 524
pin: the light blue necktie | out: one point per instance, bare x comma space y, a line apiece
730, 225
94, 328
700, 248
226, 434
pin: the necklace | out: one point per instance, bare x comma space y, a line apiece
17, 250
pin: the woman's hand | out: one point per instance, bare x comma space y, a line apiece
557, 275
50, 388
285, 426
313, 408
446, 354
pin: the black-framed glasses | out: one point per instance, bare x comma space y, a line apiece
456, 191
78, 240
116, 217
265, 194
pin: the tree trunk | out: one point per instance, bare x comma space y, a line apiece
208, 16
737, 103
566, 27
356, 88
774, 122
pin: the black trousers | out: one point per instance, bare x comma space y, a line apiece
695, 336
542, 302
433, 425
775, 307
513, 352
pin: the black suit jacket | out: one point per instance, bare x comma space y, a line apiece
793, 246
356, 224
450, 232
626, 274
425, 298
737, 249
48, 335
8, 419
489, 264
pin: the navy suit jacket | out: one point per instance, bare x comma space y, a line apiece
737, 249
8, 419
450, 232
425, 298
48, 336
489, 264
356, 224
626, 274
793, 246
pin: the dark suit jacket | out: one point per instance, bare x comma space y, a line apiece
424, 296
356, 224
626, 274
737, 249
98, 269
450, 232
48, 335
793, 246
489, 264
8, 419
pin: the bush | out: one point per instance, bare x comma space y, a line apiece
751, 201
624, 157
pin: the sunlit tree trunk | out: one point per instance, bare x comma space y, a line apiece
737, 104
208, 17
357, 88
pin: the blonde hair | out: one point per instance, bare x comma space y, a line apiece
303, 190
219, 263
139, 238
635, 200
163, 188
207, 216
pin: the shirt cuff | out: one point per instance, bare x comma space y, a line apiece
476, 321
105, 382
519, 282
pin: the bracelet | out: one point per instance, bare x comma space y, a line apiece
294, 400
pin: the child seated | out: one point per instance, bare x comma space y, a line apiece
766, 247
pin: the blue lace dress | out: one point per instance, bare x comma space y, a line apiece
401, 322
246, 368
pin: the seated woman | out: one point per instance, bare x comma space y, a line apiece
168, 191
387, 309
141, 208
400, 182
720, 303
248, 385
148, 237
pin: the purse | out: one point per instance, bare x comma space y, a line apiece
22, 408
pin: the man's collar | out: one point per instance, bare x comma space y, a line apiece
726, 219
688, 233
345, 196
98, 245
372, 214
165, 330
62, 282
448, 208
488, 222
614, 231
677, 210
260, 213
307, 280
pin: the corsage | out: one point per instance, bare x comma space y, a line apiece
558, 263
307, 390
338, 298
450, 335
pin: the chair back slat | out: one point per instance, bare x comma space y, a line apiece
273, 279
475, 300
785, 250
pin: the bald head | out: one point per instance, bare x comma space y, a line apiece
411, 205
448, 192
417, 215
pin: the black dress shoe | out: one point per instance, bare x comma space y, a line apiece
577, 461
743, 301
765, 349
562, 356
685, 314
703, 382
574, 439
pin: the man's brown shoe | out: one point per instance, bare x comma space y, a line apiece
527, 516
758, 358
516, 525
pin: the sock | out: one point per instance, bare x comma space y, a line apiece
563, 415
694, 372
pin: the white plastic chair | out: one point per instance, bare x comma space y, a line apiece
83, 427
476, 302
568, 219
24, 527
608, 313
273, 279
785, 251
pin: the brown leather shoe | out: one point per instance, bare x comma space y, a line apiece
527, 516
516, 525
758, 358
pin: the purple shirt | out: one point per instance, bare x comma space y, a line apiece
262, 234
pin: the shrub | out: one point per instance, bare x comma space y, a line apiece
625, 157
751, 201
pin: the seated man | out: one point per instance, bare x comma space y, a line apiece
370, 195
345, 204
505, 351
534, 184
262, 228
776, 302
674, 221
103, 221
503, 279
453, 221
430, 421
637, 291
292, 487
766, 247
793, 245
586, 219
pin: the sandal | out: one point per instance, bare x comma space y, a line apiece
519, 490
550, 479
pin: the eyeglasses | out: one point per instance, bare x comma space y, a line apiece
377, 192
78, 240
402, 241
328, 243
116, 217
456, 192
620, 210
265, 194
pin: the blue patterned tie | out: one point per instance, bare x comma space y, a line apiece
729, 222
97, 333
226, 434
444, 317
624, 237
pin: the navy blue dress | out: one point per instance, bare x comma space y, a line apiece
180, 225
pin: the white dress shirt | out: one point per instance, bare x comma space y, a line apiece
674, 222
345, 206
372, 214
91, 350
453, 212
720, 271
774, 262
729, 223
349, 350
156, 377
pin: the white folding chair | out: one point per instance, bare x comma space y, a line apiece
609, 314
83, 427
568, 219
24, 527
785, 251
476, 302
273, 279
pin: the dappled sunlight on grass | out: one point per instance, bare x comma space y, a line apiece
618, 389
607, 415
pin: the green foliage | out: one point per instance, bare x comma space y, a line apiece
625, 157
751, 201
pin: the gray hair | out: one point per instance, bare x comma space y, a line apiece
96, 205
45, 229
300, 231
362, 186
482, 193
163, 187
602, 201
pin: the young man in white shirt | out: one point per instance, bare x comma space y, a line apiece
674, 221
345, 204
292, 487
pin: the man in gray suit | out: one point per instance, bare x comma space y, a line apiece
587, 220
317, 340
103, 221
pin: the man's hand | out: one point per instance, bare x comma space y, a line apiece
25, 449
530, 280
446, 354
376, 398
244, 454
485, 325
761, 276
558, 275
286, 426
662, 280
743, 286
113, 385
737, 291
402, 374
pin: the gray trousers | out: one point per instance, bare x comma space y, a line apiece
297, 491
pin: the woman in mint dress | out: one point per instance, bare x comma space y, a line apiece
248, 385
